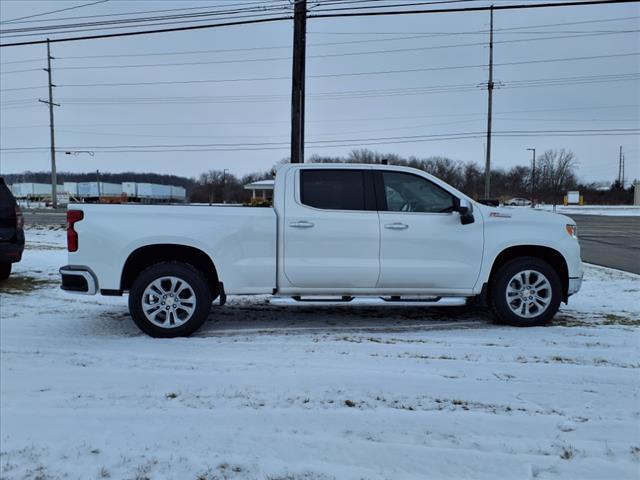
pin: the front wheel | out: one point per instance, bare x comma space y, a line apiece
525, 292
170, 299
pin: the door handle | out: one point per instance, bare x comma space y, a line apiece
301, 224
396, 226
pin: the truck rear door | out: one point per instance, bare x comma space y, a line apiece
331, 229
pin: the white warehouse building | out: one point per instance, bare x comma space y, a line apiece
92, 191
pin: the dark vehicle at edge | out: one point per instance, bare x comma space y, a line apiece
11, 231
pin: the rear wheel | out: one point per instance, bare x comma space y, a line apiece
170, 299
5, 270
525, 292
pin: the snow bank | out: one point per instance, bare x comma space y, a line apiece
315, 393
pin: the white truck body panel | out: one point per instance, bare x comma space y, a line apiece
240, 241
294, 249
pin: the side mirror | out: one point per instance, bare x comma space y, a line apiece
465, 208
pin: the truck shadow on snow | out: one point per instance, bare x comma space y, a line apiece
258, 318
241, 318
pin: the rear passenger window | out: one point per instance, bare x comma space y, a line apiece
333, 189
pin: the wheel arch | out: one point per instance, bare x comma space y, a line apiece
553, 257
144, 257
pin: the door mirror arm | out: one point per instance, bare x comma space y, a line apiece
465, 208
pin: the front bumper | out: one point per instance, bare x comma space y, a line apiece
574, 285
78, 280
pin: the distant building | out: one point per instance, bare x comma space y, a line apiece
636, 193
261, 189
100, 191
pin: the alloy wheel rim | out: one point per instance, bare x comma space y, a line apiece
168, 302
528, 294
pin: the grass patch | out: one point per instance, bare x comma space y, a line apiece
613, 319
19, 284
43, 246
598, 320
567, 453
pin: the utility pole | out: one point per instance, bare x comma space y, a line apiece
298, 81
487, 168
224, 185
620, 166
533, 177
54, 177
98, 183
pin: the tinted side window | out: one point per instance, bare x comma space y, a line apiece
410, 193
333, 189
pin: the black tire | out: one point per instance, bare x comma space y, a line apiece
199, 294
5, 270
504, 310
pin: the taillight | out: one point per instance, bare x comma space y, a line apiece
73, 216
19, 218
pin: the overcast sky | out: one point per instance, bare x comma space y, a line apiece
255, 113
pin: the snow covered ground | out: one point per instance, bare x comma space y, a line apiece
607, 210
315, 394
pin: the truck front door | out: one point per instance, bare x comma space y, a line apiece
331, 229
423, 244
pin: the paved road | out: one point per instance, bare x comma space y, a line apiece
41, 218
610, 241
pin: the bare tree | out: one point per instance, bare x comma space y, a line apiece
556, 172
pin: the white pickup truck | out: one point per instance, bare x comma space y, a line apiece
337, 233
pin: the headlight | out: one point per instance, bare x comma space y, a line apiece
572, 230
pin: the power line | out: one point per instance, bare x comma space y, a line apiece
230, 16
475, 9
318, 144
329, 55
345, 94
311, 45
20, 71
147, 32
148, 21
54, 11
333, 75
617, 131
338, 120
326, 15
413, 4
404, 37
271, 59
31, 60
521, 27
149, 11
